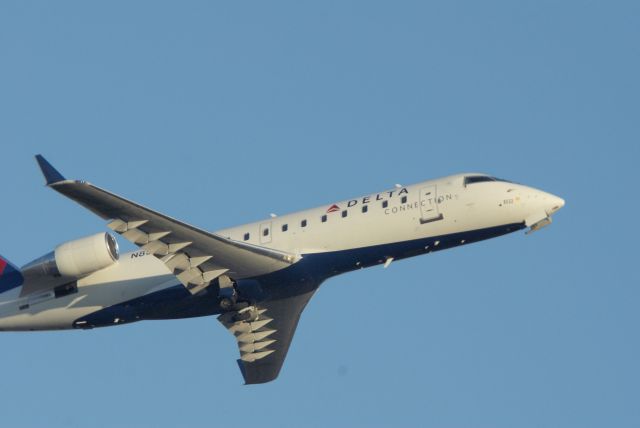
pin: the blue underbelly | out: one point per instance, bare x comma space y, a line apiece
176, 302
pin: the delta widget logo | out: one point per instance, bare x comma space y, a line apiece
3, 265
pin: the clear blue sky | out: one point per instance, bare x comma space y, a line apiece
223, 112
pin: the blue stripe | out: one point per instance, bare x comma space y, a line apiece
176, 302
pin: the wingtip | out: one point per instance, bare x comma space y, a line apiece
51, 175
257, 374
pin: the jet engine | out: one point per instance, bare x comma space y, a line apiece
74, 259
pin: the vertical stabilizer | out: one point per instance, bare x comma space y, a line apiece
10, 276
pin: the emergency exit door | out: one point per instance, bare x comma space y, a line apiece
265, 233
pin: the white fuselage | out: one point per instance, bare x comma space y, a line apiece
433, 208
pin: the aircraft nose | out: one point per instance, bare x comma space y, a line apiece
541, 205
554, 203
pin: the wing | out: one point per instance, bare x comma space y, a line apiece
264, 332
195, 256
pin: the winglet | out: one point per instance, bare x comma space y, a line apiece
50, 173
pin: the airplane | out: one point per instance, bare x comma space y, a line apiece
258, 277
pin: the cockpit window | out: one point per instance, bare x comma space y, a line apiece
472, 179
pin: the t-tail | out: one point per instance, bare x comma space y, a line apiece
10, 276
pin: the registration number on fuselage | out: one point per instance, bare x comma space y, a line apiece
138, 254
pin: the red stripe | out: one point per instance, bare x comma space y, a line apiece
3, 264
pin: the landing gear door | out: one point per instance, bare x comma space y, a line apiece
429, 210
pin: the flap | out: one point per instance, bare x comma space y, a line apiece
264, 332
195, 256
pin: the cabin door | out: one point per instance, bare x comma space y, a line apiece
429, 210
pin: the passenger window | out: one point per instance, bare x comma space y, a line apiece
246, 236
285, 227
265, 232
303, 223
385, 204
344, 213
365, 208
324, 218
403, 200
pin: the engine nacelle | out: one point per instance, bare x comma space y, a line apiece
81, 257
75, 259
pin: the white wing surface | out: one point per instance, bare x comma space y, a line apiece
195, 256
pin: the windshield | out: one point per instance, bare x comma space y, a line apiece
473, 179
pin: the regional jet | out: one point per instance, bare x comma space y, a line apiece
258, 277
